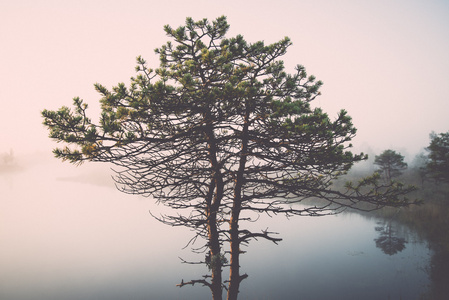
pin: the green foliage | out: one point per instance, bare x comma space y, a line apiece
218, 128
212, 261
390, 163
212, 103
207, 73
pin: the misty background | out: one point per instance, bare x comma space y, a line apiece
385, 62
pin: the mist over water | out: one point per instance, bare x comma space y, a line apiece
63, 233
67, 233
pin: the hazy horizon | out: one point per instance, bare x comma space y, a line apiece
385, 62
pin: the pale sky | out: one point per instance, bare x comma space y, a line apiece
386, 62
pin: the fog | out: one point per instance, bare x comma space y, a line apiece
385, 62
67, 233
64, 230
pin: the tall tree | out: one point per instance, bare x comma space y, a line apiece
390, 163
438, 164
217, 132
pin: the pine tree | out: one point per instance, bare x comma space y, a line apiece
390, 163
217, 131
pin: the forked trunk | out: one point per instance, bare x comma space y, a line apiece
234, 272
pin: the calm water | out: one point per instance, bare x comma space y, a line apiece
66, 233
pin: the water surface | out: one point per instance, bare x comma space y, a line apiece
66, 233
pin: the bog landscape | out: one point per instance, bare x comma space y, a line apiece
215, 172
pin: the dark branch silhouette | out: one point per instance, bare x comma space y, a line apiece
221, 133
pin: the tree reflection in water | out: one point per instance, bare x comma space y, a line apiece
389, 241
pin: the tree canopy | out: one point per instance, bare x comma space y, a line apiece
390, 163
218, 131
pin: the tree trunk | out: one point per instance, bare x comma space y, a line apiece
215, 261
234, 272
212, 208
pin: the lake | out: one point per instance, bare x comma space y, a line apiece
66, 233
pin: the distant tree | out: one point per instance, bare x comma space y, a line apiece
438, 165
221, 133
8, 162
390, 163
8, 157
